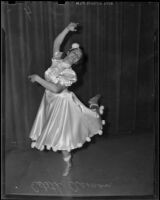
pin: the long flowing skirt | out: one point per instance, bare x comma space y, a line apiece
63, 122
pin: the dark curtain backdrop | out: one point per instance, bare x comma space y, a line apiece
118, 41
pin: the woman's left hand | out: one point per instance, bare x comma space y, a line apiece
72, 26
33, 78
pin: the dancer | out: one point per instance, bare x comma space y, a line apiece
63, 122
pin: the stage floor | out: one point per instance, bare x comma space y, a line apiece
117, 165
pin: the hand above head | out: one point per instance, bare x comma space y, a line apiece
72, 26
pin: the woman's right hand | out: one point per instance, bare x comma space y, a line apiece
33, 78
72, 26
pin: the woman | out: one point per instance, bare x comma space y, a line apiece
63, 122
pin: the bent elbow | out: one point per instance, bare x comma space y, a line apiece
56, 90
59, 89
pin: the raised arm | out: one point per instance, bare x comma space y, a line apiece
60, 38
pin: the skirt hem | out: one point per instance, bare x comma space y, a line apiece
79, 145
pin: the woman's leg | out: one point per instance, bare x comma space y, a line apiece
67, 159
93, 103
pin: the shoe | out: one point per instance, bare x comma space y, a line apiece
94, 101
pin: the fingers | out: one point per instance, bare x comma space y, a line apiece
30, 77
32, 80
74, 24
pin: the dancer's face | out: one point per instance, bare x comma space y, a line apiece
72, 57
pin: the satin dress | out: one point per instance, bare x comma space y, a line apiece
63, 122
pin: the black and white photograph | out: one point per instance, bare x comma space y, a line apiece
80, 100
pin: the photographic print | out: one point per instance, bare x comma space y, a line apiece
79, 100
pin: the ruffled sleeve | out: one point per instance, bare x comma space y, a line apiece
67, 77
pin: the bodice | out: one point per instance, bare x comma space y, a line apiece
60, 72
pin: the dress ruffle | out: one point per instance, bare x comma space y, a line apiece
79, 145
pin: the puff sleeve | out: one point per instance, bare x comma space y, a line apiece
67, 77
